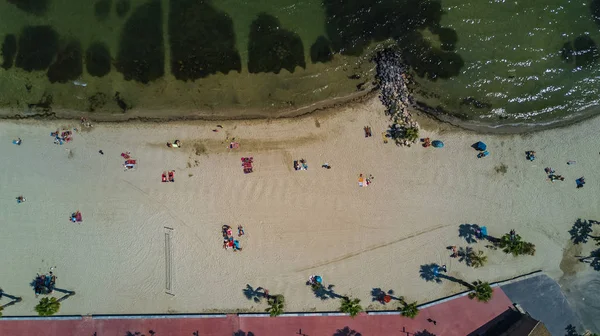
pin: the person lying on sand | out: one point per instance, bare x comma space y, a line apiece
240, 231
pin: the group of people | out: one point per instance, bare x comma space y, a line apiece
61, 137
228, 241
44, 284
552, 176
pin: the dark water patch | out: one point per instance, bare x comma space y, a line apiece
9, 50
595, 10
586, 51
97, 59
97, 101
448, 38
428, 61
566, 52
470, 101
121, 102
141, 55
272, 48
37, 47
202, 40
352, 25
122, 7
320, 51
35, 7
102, 9
43, 105
68, 65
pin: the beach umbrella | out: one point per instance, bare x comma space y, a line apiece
318, 279
480, 146
437, 144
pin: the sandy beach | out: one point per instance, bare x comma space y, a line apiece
297, 223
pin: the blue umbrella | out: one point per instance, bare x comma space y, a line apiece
437, 144
318, 279
480, 146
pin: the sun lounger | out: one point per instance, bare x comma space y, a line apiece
164, 176
247, 164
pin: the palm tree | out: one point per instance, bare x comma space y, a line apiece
47, 306
350, 306
276, 304
409, 309
515, 245
412, 134
477, 259
482, 291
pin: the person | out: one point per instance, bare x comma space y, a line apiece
580, 182
236, 246
513, 234
326, 165
229, 232
101, 152
240, 231
444, 268
454, 252
226, 243
20, 199
18, 141
530, 155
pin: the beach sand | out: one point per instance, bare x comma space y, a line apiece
297, 223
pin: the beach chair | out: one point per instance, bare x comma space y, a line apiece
164, 176
483, 154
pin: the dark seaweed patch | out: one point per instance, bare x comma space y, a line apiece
102, 9
122, 7
97, 59
320, 51
586, 51
352, 25
141, 55
35, 7
68, 65
566, 52
272, 48
37, 47
9, 50
202, 40
97, 101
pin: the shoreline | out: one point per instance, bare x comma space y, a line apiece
362, 97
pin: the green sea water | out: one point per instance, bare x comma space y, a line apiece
499, 62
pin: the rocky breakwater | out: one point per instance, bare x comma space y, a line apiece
391, 78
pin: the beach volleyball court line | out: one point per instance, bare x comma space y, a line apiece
168, 261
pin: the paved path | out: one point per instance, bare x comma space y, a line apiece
456, 317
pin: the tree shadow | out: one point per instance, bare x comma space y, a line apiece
97, 59
320, 51
242, 333
13, 299
325, 292
593, 259
378, 295
254, 294
424, 333
468, 232
141, 55
202, 40
102, 9
430, 272
581, 230
570, 330
346, 331
272, 48
464, 254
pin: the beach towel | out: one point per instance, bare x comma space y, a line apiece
361, 182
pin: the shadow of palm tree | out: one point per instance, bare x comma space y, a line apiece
243, 333
453, 279
325, 293
593, 259
254, 294
424, 333
464, 254
346, 332
13, 299
429, 272
468, 232
571, 331
581, 230
378, 294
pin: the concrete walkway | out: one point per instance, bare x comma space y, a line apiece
456, 317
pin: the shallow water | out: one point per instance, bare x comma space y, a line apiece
492, 61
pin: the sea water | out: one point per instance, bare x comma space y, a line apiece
498, 62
